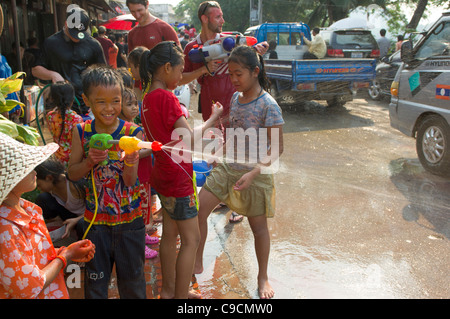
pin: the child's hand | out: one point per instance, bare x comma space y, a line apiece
245, 181
130, 159
217, 109
81, 251
96, 156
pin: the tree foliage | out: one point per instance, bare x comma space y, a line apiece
313, 12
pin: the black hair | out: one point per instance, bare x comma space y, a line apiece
143, 2
62, 95
135, 55
248, 57
54, 168
127, 77
100, 75
151, 60
128, 93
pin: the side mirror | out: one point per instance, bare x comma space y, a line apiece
407, 51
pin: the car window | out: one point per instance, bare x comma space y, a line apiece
438, 43
362, 39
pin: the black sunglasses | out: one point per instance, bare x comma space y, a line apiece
209, 4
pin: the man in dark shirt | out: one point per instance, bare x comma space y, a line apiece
67, 53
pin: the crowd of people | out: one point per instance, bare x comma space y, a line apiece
105, 196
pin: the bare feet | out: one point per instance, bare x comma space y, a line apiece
193, 294
265, 289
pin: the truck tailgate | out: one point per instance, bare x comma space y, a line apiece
323, 70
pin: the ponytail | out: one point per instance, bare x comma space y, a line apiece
262, 76
151, 60
62, 94
250, 59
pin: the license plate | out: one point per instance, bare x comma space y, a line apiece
357, 55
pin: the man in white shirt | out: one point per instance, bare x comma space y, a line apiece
317, 47
383, 43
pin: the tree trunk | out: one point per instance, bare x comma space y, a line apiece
421, 6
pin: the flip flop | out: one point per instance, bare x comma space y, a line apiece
235, 218
150, 253
151, 240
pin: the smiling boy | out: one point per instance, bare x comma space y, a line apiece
118, 228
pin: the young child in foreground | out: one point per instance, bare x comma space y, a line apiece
118, 228
243, 187
31, 267
172, 179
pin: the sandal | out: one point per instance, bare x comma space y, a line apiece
151, 240
235, 218
150, 253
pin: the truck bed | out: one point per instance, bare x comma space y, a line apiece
323, 70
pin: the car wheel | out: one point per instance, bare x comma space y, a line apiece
433, 145
375, 90
336, 101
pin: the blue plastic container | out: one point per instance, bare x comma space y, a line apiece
202, 170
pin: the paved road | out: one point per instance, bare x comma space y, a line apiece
357, 216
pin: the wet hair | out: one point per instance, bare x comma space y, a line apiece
52, 167
134, 57
128, 94
248, 58
127, 77
100, 75
62, 95
151, 60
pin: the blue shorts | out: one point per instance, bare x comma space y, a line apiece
180, 208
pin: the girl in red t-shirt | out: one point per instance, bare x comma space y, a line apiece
161, 69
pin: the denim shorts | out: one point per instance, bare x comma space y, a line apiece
180, 208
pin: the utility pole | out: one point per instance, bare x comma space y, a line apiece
256, 9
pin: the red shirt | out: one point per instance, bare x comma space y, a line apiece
151, 34
106, 45
171, 175
216, 88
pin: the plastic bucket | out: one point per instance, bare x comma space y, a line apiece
202, 170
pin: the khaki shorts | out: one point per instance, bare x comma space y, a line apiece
257, 200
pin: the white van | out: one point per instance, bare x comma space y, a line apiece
420, 103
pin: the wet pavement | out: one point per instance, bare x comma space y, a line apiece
357, 216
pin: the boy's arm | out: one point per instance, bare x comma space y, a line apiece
130, 171
79, 166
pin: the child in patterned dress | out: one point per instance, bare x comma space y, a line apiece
62, 119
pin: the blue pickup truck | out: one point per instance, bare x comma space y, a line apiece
334, 80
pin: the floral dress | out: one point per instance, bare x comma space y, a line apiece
54, 123
25, 249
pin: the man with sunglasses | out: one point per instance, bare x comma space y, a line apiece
150, 31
